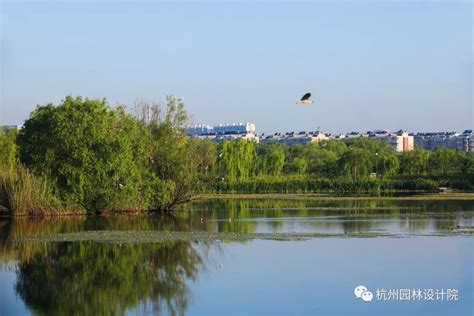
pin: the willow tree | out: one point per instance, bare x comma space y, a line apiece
414, 162
270, 159
236, 160
355, 162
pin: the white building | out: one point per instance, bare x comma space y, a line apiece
240, 128
224, 132
399, 141
293, 138
200, 130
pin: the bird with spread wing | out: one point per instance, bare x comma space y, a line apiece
306, 99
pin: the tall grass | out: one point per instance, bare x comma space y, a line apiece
314, 185
22, 193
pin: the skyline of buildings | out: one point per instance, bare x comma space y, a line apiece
399, 141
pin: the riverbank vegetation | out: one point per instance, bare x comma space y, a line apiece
99, 158
85, 156
359, 165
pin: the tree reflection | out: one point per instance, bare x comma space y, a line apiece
109, 278
87, 278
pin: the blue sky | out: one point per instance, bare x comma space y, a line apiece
369, 64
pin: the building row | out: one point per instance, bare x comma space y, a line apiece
400, 141
224, 132
462, 141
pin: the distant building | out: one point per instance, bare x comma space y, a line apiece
353, 135
430, 141
200, 130
399, 141
471, 144
224, 132
293, 138
232, 129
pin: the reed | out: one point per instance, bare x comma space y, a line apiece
24, 194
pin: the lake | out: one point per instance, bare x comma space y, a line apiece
246, 257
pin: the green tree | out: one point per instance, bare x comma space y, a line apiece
205, 154
369, 144
445, 160
8, 148
321, 162
236, 160
96, 154
414, 162
355, 162
387, 163
467, 163
271, 159
175, 158
297, 166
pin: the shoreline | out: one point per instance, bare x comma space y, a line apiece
451, 196
461, 196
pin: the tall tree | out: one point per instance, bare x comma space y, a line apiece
175, 158
355, 162
271, 159
414, 162
236, 160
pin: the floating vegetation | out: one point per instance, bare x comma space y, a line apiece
115, 236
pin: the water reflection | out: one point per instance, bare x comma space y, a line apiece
332, 216
86, 278
110, 278
254, 216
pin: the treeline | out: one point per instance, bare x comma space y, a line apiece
86, 156
356, 158
354, 165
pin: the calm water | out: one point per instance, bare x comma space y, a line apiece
415, 245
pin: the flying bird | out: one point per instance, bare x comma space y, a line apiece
306, 99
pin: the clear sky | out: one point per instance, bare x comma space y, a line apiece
369, 64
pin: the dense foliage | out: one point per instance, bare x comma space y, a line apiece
355, 165
96, 154
85, 154
102, 158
